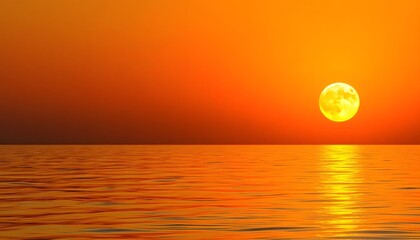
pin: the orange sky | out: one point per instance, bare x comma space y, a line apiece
158, 71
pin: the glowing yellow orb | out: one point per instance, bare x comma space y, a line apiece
339, 102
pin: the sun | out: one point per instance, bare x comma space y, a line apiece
339, 102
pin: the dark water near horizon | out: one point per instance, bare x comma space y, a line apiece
210, 192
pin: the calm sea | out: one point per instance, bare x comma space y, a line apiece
210, 192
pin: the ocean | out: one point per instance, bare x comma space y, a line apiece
210, 192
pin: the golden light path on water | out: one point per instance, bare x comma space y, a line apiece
339, 186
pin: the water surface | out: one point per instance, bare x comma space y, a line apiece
210, 192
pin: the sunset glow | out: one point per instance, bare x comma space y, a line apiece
206, 71
209, 119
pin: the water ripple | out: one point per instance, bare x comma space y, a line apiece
209, 192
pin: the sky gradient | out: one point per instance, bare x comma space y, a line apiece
206, 72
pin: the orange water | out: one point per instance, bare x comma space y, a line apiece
209, 192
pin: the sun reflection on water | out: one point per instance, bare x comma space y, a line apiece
340, 180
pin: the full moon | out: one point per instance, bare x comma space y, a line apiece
339, 102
